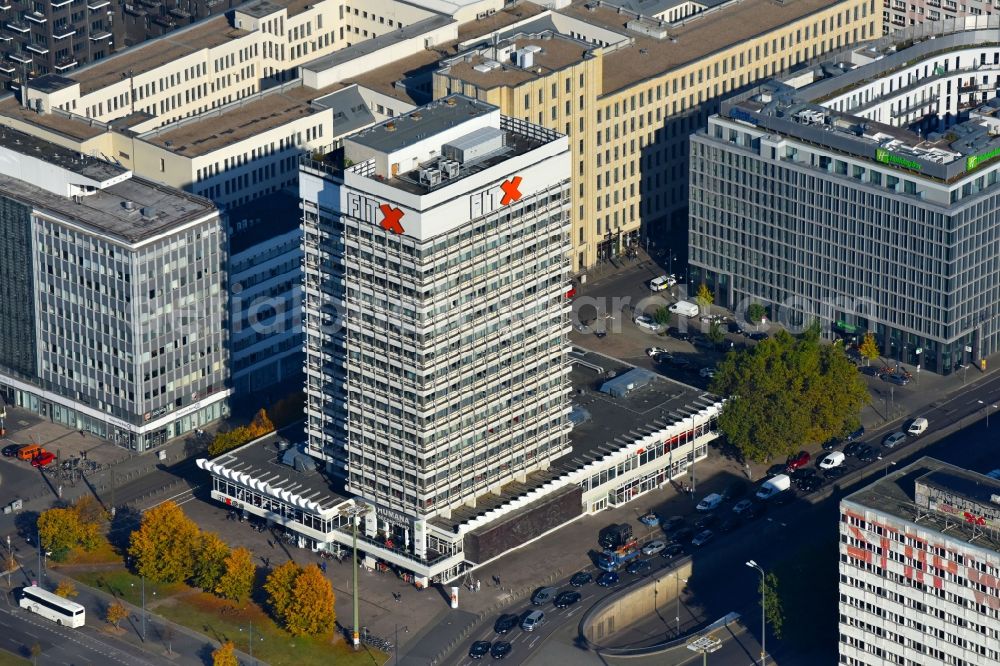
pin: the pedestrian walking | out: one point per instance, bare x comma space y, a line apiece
477, 585
270, 543
267, 562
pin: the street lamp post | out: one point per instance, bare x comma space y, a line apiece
763, 615
677, 617
355, 512
143, 588
889, 464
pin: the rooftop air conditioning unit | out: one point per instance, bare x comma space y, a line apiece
430, 177
449, 168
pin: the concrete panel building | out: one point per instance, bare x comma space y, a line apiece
628, 82
111, 288
865, 196
919, 569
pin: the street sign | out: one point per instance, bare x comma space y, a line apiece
968, 349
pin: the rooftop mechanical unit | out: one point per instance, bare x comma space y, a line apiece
475, 145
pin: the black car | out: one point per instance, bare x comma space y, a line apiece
703, 342
758, 336
680, 362
831, 444
505, 623
678, 334
608, 579
730, 523
567, 598
10, 450
682, 535
663, 357
834, 472
672, 524
706, 521
898, 380
500, 650
867, 454
639, 566
755, 510
802, 473
671, 551
857, 434
809, 484
480, 649
853, 448
580, 579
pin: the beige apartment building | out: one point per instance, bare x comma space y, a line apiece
628, 88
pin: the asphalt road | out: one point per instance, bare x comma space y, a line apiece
722, 583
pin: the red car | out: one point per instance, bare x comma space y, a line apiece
42, 459
800, 459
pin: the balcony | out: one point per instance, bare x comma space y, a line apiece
7, 68
94, 5
40, 49
100, 35
36, 17
63, 33
66, 63
17, 26
56, 4
23, 58
5, 5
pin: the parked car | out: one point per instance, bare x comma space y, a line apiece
678, 334
639, 566
730, 523
756, 510
803, 473
810, 484
857, 434
742, 506
853, 448
893, 378
709, 502
653, 351
608, 579
662, 283
918, 427
672, 550
705, 521
646, 322
580, 579
831, 444
800, 459
707, 373
532, 619
599, 333
868, 453
505, 623
500, 650
703, 342
10, 450
567, 598
831, 460
758, 336
680, 362
893, 440
653, 547
480, 649
663, 357
43, 459
682, 535
672, 524
702, 538
544, 595
834, 473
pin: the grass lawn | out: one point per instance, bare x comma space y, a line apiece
103, 554
10, 659
221, 620
807, 584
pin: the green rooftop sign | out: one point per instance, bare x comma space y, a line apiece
884, 156
974, 161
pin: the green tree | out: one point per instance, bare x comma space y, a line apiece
280, 587
773, 610
786, 392
237, 581
66, 589
715, 332
704, 298
311, 610
209, 560
163, 546
116, 613
869, 348
756, 313
662, 316
225, 655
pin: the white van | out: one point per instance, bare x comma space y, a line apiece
917, 427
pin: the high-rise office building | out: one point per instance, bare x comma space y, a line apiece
863, 193
435, 311
919, 565
111, 289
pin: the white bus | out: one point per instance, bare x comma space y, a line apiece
61, 611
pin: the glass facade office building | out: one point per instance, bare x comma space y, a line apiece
823, 201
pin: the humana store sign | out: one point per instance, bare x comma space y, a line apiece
884, 156
973, 161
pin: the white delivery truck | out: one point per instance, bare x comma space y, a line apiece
773, 486
685, 309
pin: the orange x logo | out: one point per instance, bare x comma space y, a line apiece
510, 191
391, 218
